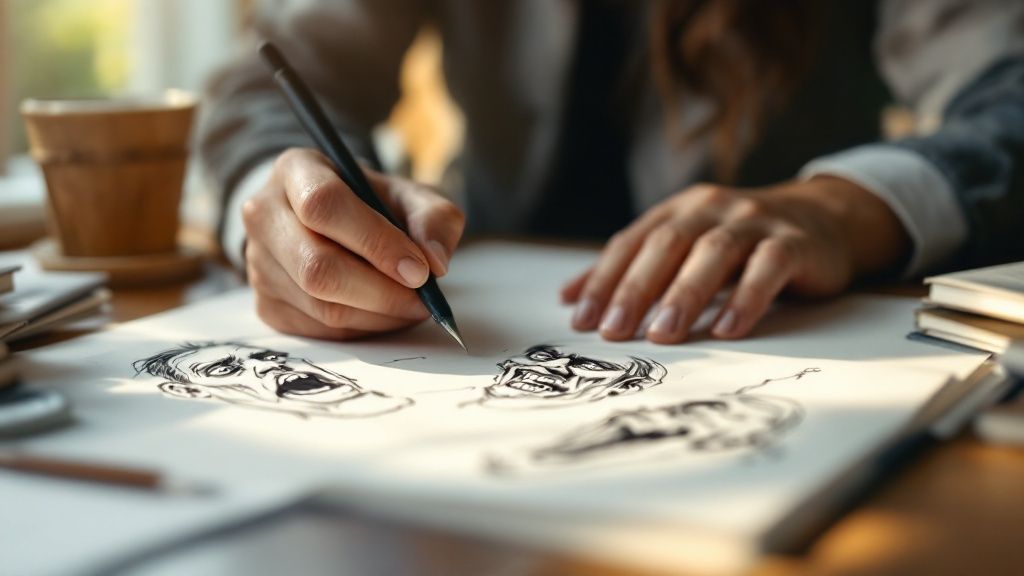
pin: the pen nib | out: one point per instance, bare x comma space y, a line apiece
452, 329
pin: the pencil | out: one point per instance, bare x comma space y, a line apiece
92, 472
303, 103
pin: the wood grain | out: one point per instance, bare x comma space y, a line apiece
113, 172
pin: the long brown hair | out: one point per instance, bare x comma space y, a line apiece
745, 56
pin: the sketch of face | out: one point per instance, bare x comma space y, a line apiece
545, 376
259, 377
724, 423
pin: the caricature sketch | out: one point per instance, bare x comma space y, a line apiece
735, 421
545, 377
257, 377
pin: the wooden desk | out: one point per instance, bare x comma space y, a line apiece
958, 509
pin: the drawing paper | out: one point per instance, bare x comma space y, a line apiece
681, 456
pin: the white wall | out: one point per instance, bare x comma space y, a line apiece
179, 42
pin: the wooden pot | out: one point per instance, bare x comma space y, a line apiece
114, 171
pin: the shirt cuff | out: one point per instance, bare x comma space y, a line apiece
914, 189
233, 234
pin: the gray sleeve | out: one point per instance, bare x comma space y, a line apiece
349, 51
956, 184
960, 64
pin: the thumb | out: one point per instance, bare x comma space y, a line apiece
434, 223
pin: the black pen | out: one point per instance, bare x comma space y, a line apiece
313, 119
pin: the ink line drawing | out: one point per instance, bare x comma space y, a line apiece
255, 377
547, 377
405, 359
735, 421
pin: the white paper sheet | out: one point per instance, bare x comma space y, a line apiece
710, 442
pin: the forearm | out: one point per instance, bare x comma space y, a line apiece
959, 65
979, 149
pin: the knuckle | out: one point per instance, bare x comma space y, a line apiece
665, 237
748, 209
620, 241
315, 274
778, 251
439, 214
449, 212
285, 160
718, 240
712, 193
332, 315
317, 203
252, 213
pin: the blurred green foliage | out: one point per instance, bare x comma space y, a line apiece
66, 49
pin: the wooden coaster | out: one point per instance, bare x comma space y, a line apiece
125, 271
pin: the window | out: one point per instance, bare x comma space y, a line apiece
93, 48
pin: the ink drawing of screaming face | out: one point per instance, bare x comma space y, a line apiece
545, 376
261, 378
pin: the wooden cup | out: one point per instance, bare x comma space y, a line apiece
114, 171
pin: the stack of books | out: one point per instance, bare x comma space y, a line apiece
7, 371
981, 308
33, 302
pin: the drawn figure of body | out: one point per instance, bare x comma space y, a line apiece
735, 421
545, 376
247, 375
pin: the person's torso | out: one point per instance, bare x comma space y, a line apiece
508, 65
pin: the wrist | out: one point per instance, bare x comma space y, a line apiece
876, 241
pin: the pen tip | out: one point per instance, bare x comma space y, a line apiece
452, 329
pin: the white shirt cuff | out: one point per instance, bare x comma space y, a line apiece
233, 233
914, 190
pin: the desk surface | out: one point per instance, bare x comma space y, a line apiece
957, 509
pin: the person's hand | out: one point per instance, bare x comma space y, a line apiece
812, 238
325, 265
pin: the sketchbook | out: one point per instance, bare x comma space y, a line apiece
692, 457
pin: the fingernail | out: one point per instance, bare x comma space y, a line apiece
585, 316
441, 253
726, 324
412, 271
666, 322
615, 320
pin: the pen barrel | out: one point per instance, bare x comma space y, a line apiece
434, 301
312, 117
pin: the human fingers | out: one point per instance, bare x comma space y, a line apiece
770, 267
713, 260
323, 203
434, 223
322, 268
284, 317
611, 265
268, 277
570, 292
650, 272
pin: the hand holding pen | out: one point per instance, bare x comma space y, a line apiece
325, 264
